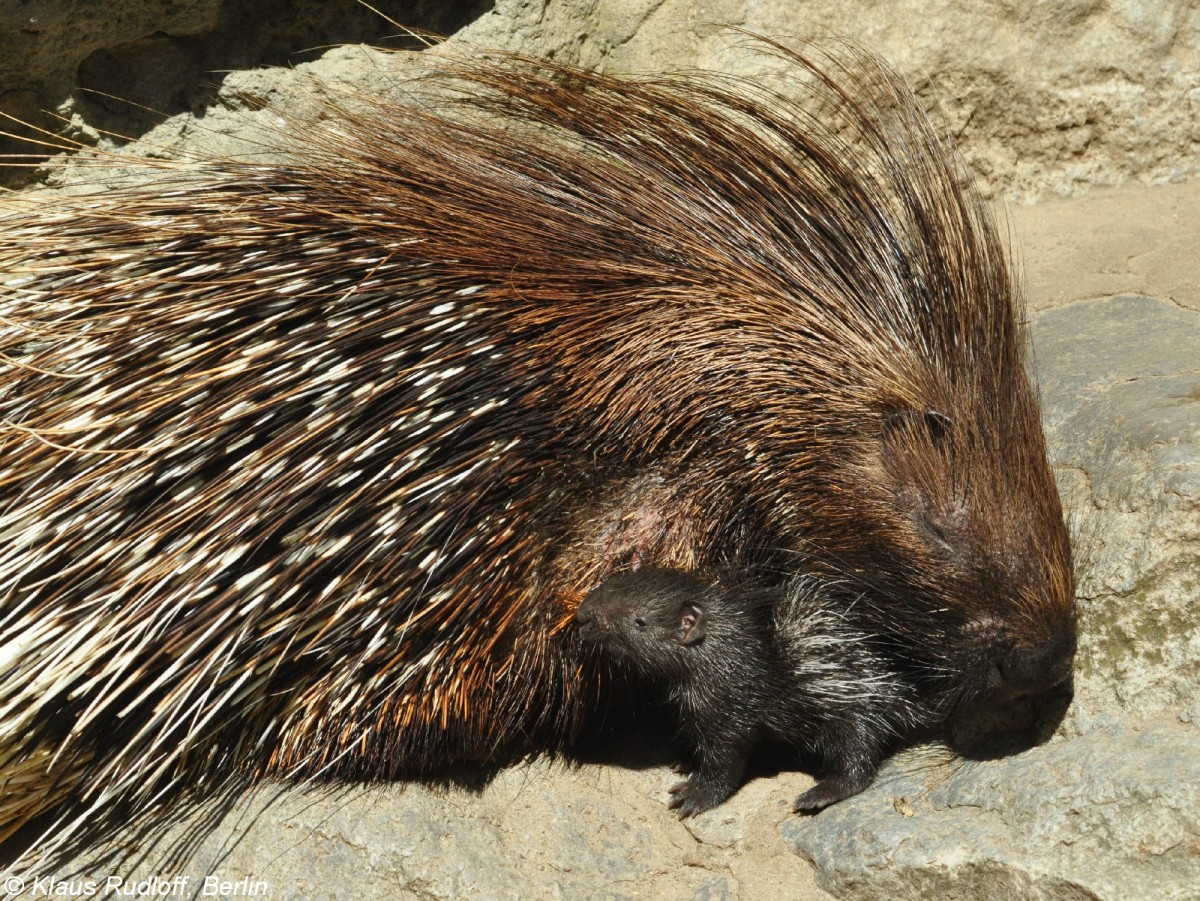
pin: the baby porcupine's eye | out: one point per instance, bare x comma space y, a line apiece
640, 622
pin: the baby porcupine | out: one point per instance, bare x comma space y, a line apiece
308, 461
738, 666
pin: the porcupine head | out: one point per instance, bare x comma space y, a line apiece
850, 402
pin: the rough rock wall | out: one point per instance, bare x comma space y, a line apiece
1043, 97
80, 67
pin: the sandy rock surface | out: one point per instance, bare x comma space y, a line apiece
1046, 99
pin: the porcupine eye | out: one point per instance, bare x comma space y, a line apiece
640, 622
934, 424
938, 426
909, 439
935, 533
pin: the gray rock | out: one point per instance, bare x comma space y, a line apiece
1042, 98
1114, 814
1121, 378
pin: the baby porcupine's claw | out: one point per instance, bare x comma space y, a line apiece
711, 782
830, 790
690, 798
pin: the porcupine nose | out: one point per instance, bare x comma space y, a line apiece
589, 623
1036, 669
593, 620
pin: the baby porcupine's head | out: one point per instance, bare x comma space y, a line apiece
656, 621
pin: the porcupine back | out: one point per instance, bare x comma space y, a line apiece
307, 464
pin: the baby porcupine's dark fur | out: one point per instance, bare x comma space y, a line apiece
713, 654
739, 666
307, 464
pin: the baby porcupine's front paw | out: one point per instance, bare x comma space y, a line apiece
695, 796
830, 790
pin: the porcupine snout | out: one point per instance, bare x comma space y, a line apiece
598, 619
1042, 668
1029, 689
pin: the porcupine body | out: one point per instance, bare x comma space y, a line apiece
307, 465
737, 666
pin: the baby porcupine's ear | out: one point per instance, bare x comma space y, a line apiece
692, 622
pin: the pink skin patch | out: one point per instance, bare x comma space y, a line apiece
643, 524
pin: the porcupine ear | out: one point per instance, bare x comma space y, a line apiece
692, 623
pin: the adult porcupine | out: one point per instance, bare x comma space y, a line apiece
306, 465
741, 665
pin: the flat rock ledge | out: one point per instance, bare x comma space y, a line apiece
1112, 814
